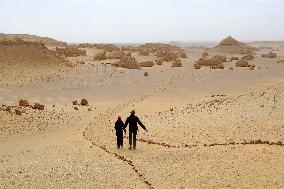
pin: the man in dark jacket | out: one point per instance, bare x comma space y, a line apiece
132, 120
119, 127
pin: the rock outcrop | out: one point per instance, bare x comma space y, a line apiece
177, 63
39, 106
215, 62
127, 62
71, 51
269, 55
23, 103
147, 64
243, 63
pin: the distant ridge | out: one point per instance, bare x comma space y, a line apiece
33, 38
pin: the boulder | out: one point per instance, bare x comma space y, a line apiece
127, 62
270, 55
251, 66
215, 62
18, 112
217, 66
159, 61
177, 63
84, 102
23, 103
75, 103
8, 109
197, 66
38, 106
146, 74
242, 63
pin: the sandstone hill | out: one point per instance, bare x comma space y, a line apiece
33, 38
231, 45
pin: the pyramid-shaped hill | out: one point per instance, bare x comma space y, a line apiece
229, 41
233, 46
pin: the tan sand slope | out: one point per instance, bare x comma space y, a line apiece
18, 56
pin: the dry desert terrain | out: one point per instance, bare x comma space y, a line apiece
214, 122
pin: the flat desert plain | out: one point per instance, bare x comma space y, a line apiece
213, 121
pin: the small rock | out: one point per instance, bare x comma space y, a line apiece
146, 74
89, 109
84, 102
75, 102
76, 108
39, 106
8, 109
18, 112
23, 102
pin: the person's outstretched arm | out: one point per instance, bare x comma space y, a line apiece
141, 124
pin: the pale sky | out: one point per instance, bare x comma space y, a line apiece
118, 21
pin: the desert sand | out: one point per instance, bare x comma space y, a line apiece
212, 123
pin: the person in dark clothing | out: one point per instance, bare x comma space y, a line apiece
119, 127
132, 120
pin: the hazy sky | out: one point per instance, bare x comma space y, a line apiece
144, 20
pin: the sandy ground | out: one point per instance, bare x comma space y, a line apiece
200, 123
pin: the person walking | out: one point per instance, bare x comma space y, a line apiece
119, 127
133, 120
